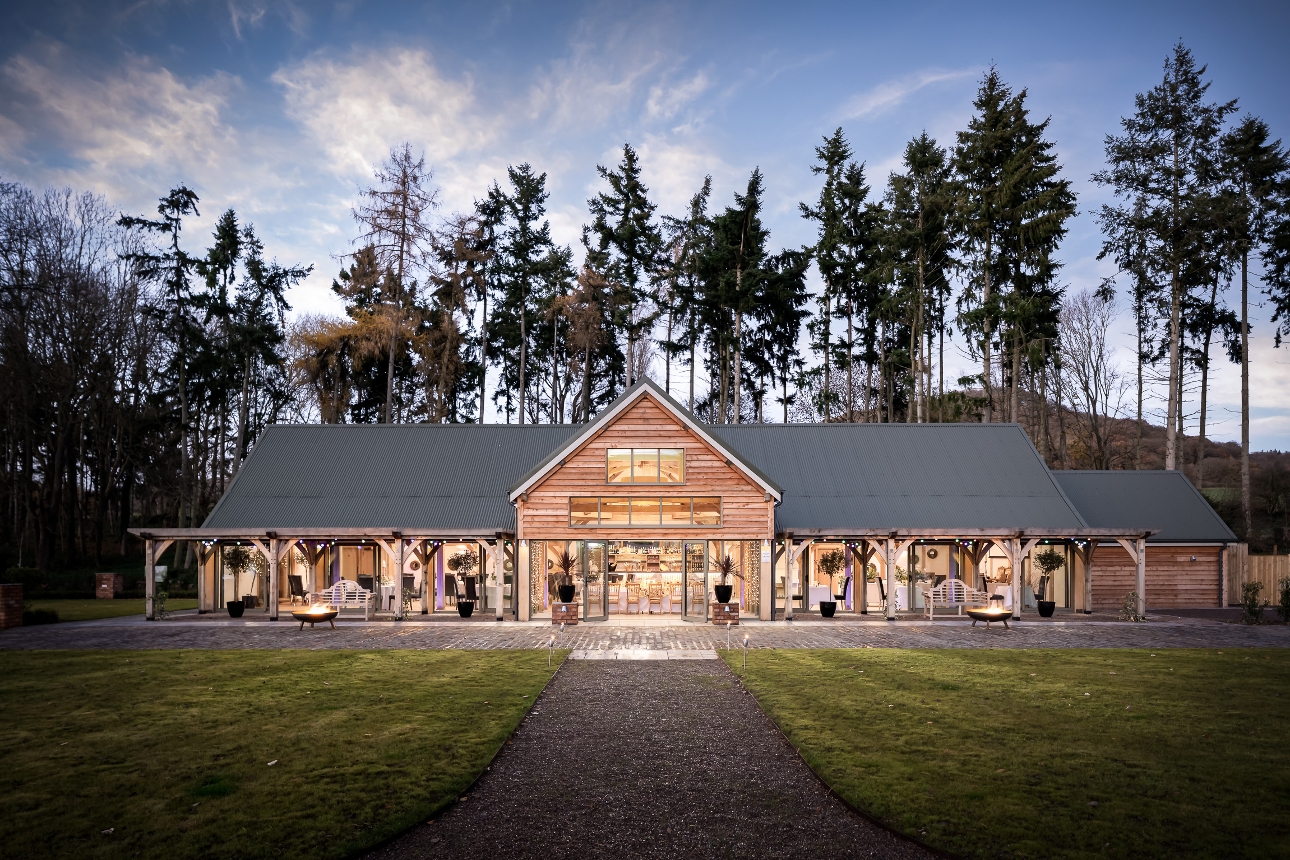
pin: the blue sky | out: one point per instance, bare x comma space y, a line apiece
281, 110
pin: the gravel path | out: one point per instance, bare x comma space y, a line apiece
647, 759
804, 634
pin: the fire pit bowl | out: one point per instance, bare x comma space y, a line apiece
315, 615
989, 614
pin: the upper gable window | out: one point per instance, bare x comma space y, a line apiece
645, 466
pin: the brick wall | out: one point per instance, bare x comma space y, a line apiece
108, 585
564, 613
723, 612
10, 606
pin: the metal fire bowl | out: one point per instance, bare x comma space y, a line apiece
305, 616
989, 614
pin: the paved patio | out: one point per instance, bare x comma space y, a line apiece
662, 779
129, 633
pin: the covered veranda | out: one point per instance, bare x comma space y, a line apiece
398, 573
897, 566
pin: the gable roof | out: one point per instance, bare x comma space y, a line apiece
638, 390
444, 477
1165, 501
838, 477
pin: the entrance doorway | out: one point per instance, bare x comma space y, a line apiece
595, 603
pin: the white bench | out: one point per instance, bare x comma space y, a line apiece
953, 593
346, 594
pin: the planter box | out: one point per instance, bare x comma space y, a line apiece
564, 613
723, 612
10, 605
108, 585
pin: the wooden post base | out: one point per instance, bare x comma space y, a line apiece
723, 612
564, 613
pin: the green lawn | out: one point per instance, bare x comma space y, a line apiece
88, 610
170, 750
1004, 753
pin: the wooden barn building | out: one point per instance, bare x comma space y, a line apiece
646, 511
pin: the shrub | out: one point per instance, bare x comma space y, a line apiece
1129, 609
1251, 607
1283, 606
39, 616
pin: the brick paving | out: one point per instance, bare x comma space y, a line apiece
137, 634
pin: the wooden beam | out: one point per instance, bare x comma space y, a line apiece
149, 580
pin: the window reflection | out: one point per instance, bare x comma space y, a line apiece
671, 465
619, 465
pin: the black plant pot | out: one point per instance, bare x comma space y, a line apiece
465, 608
236, 608
565, 592
723, 592
1046, 608
828, 607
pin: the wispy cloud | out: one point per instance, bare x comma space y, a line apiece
355, 108
890, 94
116, 131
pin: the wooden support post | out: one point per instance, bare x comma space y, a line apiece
1142, 577
889, 561
272, 597
400, 545
1014, 557
427, 581
202, 555
497, 554
1088, 577
520, 593
150, 580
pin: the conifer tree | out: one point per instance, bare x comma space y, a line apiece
623, 246
1161, 170
1257, 171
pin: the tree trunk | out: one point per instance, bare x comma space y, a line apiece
986, 334
1246, 516
524, 342
828, 298
851, 417
483, 354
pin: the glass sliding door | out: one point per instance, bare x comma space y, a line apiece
594, 569
696, 581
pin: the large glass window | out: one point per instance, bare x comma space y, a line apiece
615, 512
584, 511
619, 466
645, 466
645, 511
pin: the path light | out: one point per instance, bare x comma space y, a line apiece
727, 635
745, 653
550, 651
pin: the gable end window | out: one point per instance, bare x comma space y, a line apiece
638, 511
645, 466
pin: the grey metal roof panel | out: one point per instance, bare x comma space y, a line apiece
401, 476
1161, 500
904, 476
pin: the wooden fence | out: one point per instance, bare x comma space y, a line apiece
1241, 567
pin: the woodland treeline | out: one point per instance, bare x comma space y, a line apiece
140, 362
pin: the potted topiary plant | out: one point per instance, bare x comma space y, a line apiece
237, 559
831, 564
566, 562
727, 568
463, 564
1047, 562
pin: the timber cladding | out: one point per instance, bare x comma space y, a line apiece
745, 512
1173, 579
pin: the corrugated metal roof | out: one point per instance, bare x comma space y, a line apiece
397, 476
835, 477
866, 476
1160, 500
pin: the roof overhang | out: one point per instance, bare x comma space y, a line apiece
646, 387
1083, 533
316, 534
